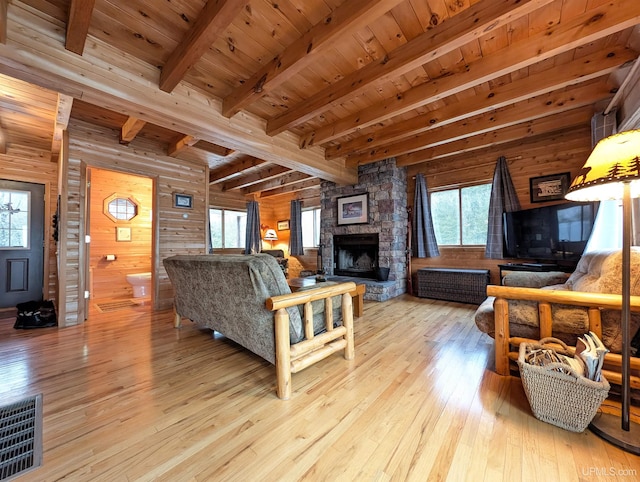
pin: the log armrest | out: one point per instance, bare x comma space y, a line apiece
544, 298
293, 358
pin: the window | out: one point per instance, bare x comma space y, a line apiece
227, 228
120, 208
14, 219
460, 215
311, 228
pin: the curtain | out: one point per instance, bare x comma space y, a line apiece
424, 237
503, 199
295, 229
253, 241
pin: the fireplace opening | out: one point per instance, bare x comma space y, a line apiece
355, 255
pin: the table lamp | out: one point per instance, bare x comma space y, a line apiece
271, 235
612, 171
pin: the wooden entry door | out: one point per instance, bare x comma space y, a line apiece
21, 242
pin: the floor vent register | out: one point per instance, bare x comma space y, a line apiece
20, 437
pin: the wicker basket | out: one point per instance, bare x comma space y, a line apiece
569, 401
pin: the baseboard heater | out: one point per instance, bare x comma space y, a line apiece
453, 284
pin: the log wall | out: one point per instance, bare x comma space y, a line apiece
176, 230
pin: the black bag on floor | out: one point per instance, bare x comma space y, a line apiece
36, 314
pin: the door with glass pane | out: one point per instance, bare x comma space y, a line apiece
21, 242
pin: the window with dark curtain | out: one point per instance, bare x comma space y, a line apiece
503, 199
295, 227
424, 237
253, 242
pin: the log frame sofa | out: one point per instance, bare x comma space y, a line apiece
532, 306
247, 299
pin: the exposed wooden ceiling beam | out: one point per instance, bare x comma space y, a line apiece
576, 117
585, 28
210, 24
348, 17
313, 183
3, 20
179, 144
92, 78
280, 181
451, 34
543, 105
255, 177
224, 172
130, 129
213, 148
63, 113
578, 71
80, 13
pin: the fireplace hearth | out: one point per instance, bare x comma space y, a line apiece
356, 255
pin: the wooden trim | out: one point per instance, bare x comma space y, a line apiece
575, 72
212, 22
63, 189
348, 17
126, 88
590, 26
446, 37
80, 13
130, 129
526, 111
518, 132
3, 20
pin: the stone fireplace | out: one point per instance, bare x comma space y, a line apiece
386, 185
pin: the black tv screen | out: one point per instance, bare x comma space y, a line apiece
550, 233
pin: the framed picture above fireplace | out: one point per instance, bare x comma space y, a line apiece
353, 209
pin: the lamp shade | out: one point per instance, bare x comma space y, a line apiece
270, 235
614, 160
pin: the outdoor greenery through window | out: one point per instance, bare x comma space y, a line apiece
311, 228
227, 228
460, 215
14, 219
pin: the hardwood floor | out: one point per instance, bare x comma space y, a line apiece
128, 397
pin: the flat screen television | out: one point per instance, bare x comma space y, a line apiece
549, 234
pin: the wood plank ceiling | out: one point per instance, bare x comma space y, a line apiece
351, 82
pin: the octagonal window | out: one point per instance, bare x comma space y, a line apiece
120, 208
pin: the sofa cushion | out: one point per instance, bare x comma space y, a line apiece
235, 288
596, 272
526, 279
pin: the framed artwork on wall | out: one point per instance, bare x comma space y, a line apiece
184, 201
549, 188
123, 234
353, 209
283, 225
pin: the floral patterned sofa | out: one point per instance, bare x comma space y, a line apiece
247, 299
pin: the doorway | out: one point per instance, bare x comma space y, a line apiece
120, 225
21, 242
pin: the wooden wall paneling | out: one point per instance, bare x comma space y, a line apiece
562, 152
32, 165
135, 256
176, 234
